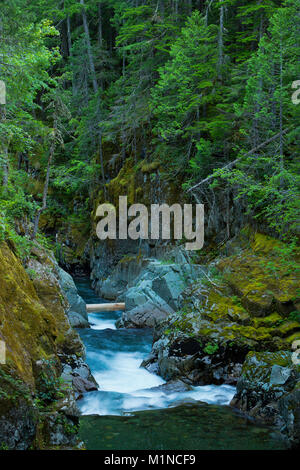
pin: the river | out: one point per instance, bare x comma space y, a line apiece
131, 411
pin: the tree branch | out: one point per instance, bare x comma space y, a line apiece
231, 164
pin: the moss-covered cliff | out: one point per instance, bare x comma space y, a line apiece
39, 340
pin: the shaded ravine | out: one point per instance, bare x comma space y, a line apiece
129, 413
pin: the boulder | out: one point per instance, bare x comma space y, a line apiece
173, 386
269, 391
148, 315
156, 293
77, 312
78, 374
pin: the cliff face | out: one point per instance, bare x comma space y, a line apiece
37, 407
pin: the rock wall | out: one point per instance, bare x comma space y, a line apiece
37, 406
269, 391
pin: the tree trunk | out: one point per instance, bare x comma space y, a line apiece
69, 36
89, 47
221, 43
281, 107
45, 193
100, 32
4, 146
4, 149
95, 84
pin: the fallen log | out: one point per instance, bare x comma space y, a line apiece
105, 307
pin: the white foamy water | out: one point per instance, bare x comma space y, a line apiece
114, 357
114, 403
99, 323
124, 374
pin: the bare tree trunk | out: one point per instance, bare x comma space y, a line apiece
100, 32
89, 47
45, 193
232, 164
69, 36
5, 167
221, 43
4, 149
281, 108
176, 10
95, 84
207, 11
101, 161
4, 146
227, 214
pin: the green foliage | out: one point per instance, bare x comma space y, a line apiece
48, 384
12, 388
31, 273
3, 446
295, 316
211, 348
269, 179
186, 80
189, 86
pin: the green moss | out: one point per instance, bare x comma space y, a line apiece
260, 290
123, 184
246, 307
127, 259
150, 167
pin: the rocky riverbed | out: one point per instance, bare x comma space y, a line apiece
232, 320
217, 330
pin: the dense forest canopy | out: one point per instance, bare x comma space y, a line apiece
201, 87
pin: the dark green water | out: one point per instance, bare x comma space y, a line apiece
128, 414
188, 427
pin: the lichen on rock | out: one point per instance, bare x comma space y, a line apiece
39, 340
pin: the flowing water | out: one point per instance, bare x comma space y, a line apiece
131, 411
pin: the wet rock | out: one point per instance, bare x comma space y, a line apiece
82, 386
123, 276
77, 320
35, 326
227, 313
148, 315
17, 425
156, 293
78, 375
77, 311
174, 386
279, 375
59, 430
269, 391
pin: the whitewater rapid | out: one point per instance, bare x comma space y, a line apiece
114, 356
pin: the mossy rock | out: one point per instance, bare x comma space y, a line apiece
243, 306
263, 278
